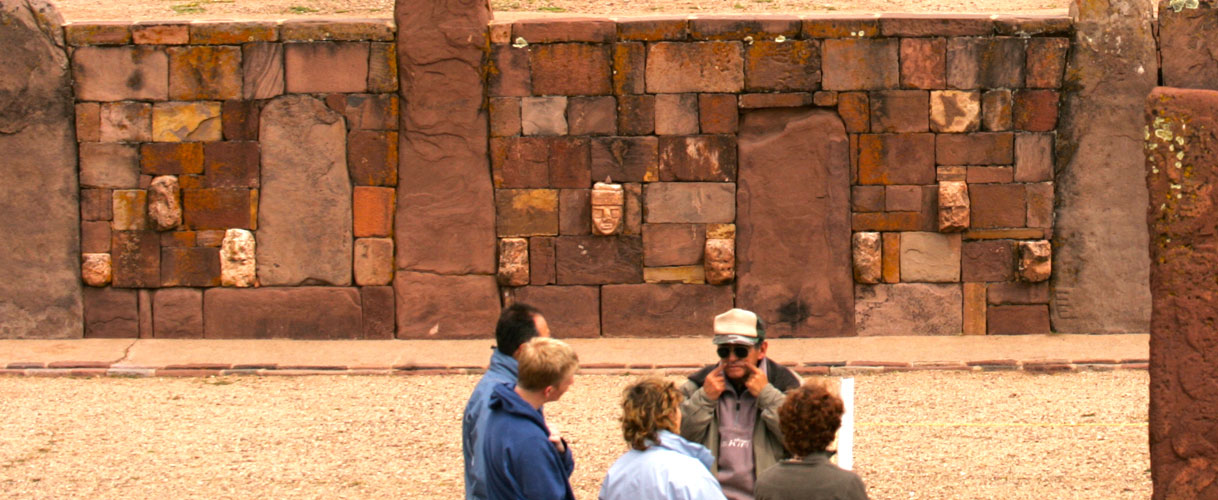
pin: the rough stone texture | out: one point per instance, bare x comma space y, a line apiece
570, 69
867, 198
676, 114
443, 156
902, 198
868, 263
997, 205
541, 261
636, 114
592, 115
136, 259
525, 212
453, 307
983, 148
186, 121
719, 261
373, 261
504, 116
372, 157
1035, 260
996, 62
240, 120
673, 244
177, 313
125, 122
595, 260
238, 259
304, 209
231, 164
861, 64
1186, 45
717, 113
899, 111
1035, 110
325, 67
699, 202
794, 199
111, 73
543, 115
996, 110
1101, 269
110, 313
1033, 157
988, 260
262, 70
629, 68
190, 266
695, 67
513, 261
95, 269
1047, 62
575, 311
930, 257
574, 211
654, 310
908, 309
1014, 292
698, 158
171, 158
218, 208
953, 206
626, 159
130, 210
892, 257
95, 236
164, 203
955, 111
204, 72
377, 303
923, 63
772, 66
315, 313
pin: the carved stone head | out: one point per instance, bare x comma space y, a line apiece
719, 261
607, 202
953, 206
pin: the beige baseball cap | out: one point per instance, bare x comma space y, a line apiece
738, 326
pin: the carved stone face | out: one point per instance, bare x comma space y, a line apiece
953, 206
719, 261
607, 201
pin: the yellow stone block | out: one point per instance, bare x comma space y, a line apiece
720, 231
186, 121
675, 274
974, 308
130, 210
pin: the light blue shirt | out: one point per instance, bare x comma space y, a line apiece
502, 370
673, 469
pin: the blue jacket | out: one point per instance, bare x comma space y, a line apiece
673, 469
502, 370
520, 461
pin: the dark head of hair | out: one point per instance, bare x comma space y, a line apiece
649, 406
809, 419
516, 326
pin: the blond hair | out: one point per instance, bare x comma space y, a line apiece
544, 362
649, 406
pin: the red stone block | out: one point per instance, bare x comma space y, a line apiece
135, 258
986, 175
785, 66
1017, 292
717, 113
108, 165
588, 115
160, 33
714, 27
262, 70
231, 164
1033, 157
212, 238
840, 26
568, 29
1040, 205
570, 69
88, 122
305, 312
569, 162
680, 202
326, 67
217, 208
775, 100
378, 305
204, 72
371, 112
96, 204
1035, 110
636, 114
508, 72
171, 158
596, 260
520, 162
1015, 320
179, 239
985, 63
896, 159
673, 244
177, 313
372, 157
988, 260
95, 236
900, 111
996, 110
574, 212
111, 313
902, 198
97, 33
126, 122
372, 211
194, 266
382, 67
861, 64
653, 310
541, 260
232, 32
855, 110
504, 116
709, 158
120, 73
1046, 62
676, 114
625, 159
576, 308
982, 148
867, 198
997, 205
937, 24
629, 68
239, 119
886, 221
923, 63
526, 212
674, 68
825, 99
653, 29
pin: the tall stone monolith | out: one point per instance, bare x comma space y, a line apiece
40, 295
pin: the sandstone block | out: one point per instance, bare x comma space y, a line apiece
190, 266
988, 260
1016, 292
1040, 205
837, 26
186, 121
202, 72
930, 257
955, 111
383, 71
88, 122
951, 173
520, 162
912, 25
377, 305
177, 313
1015, 320
596, 260
886, 221
526, 212
576, 308
313, 313
373, 261
111, 313
231, 164
629, 68
990, 63
446, 307
896, 159
653, 28
775, 100
902, 198
923, 63
867, 198
262, 70
541, 261
1046, 62
719, 261
673, 244
505, 116
727, 27
95, 236
1033, 157
1035, 110
232, 33
372, 210
125, 122
570, 69
676, 114
908, 309
653, 310
953, 206
321, 67
981, 148
308, 30
1189, 64
97, 33
210, 238
574, 212
697, 202
593, 115
136, 259
867, 257
636, 114
120, 73
372, 158
179, 239
239, 120
709, 158
717, 113
892, 257
900, 111
173, 158
974, 308
108, 165
543, 115
569, 162
695, 67
694, 275
997, 205
721, 231
513, 261
565, 30
130, 210
218, 208
1035, 261
510, 75
861, 64
238, 259
96, 204
95, 269
771, 66
164, 203
989, 175
997, 110
625, 159
160, 33
855, 111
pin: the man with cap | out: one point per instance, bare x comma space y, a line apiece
732, 406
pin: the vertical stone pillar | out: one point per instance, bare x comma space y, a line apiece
40, 295
445, 220
1100, 270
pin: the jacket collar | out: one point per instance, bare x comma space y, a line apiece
501, 362
670, 441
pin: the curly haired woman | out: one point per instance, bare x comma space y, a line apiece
661, 465
809, 419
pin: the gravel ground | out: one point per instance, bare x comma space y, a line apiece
921, 435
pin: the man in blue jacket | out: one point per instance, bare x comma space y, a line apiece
522, 459
517, 324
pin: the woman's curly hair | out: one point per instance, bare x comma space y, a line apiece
648, 406
809, 419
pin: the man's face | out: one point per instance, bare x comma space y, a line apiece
736, 367
554, 392
543, 329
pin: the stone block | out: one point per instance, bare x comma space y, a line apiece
676, 114
696, 202
136, 259
693, 275
896, 159
997, 205
653, 28
96, 269
574, 310
1016, 292
509, 73
923, 63
771, 66
171, 158
974, 308
932, 24
445, 307
930, 257
1040, 205
304, 313
372, 158
164, 203
954, 207
1033, 24
520, 162
88, 122
513, 261
981, 148
902, 198
721, 231
111, 313
825, 98
719, 259
592, 115
997, 110
625, 159
861, 64
571, 29
989, 175
210, 238
892, 257
125, 122
180, 239
955, 111
596, 260
95, 237
377, 305
160, 33
988, 260
574, 211
373, 261
238, 258
867, 198
130, 209
382, 67
951, 173
108, 165
1035, 261
673, 244
855, 111
186, 121
97, 33
239, 120
1033, 157
321, 67
96, 204
636, 114
541, 261
710, 158
570, 69
190, 266
996, 62
1035, 110
717, 113
543, 115
262, 70
868, 257
120, 73
886, 221
838, 26
308, 30
569, 162
372, 211
775, 100
716, 66
231, 164
505, 116
654, 310
218, 208
233, 32
900, 111
526, 212
727, 27
177, 313
1016, 320
1046, 62
908, 309
629, 68
203, 72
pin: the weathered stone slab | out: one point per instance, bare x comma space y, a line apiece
782, 66
1018, 319
190, 266
238, 258
125, 122
794, 199
673, 244
654, 310
575, 311
136, 259
445, 307
111, 313
373, 261
867, 257
1186, 45
325, 67
164, 203
955, 111
595, 260
988, 260
315, 313
119, 73
108, 165
690, 202
695, 67
698, 158
896, 158
900, 111
304, 214
923, 63
186, 121
930, 257
231, 164
676, 114
908, 309
526, 212
861, 64
177, 313
996, 62
513, 261
1035, 260
953, 206
95, 269
262, 70
625, 159
204, 72
570, 69
372, 211
377, 303
695, 275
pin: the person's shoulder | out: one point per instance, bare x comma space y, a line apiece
781, 377
699, 377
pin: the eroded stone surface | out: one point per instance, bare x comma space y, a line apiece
908, 309
1035, 260
95, 269
238, 259
662, 310
719, 261
164, 203
282, 313
373, 261
867, 257
955, 111
445, 307
930, 257
953, 206
177, 313
513, 261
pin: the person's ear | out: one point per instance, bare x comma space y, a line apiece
761, 349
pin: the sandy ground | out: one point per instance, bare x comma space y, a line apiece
920, 435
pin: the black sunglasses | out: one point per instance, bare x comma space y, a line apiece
740, 351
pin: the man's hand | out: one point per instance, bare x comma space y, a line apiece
756, 381
715, 383
556, 439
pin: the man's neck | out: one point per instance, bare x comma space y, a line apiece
535, 399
